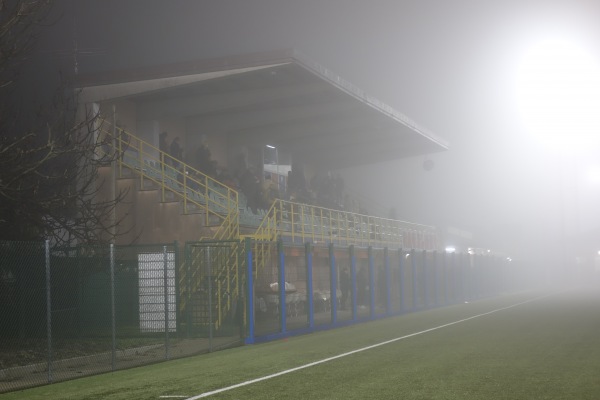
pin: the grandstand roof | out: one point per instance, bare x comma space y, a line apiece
280, 98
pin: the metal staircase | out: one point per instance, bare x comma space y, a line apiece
198, 193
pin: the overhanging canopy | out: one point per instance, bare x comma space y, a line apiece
278, 98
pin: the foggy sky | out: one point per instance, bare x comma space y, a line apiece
446, 64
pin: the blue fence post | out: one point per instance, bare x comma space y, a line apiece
250, 291
445, 271
333, 284
309, 285
388, 282
425, 280
401, 278
435, 279
465, 277
353, 277
413, 262
282, 310
371, 282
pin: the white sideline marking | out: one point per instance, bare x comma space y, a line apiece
312, 364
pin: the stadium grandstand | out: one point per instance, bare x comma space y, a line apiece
236, 226
240, 119
247, 147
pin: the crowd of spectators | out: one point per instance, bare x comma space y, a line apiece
324, 189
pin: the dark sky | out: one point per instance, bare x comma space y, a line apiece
449, 65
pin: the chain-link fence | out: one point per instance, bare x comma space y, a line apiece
71, 312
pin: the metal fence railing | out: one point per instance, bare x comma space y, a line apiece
294, 289
71, 312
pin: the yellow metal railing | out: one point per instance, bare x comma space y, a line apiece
301, 223
197, 191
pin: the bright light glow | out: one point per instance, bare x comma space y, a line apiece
508, 259
594, 175
450, 249
270, 146
559, 93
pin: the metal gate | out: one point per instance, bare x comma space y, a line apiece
214, 286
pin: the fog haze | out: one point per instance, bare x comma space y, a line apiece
448, 65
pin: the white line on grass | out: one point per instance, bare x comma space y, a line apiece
312, 364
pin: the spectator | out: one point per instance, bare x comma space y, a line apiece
202, 158
270, 191
250, 185
163, 146
176, 152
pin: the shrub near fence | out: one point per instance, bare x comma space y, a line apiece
71, 312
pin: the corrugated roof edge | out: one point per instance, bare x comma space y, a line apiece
253, 60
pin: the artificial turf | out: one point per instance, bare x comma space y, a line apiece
544, 349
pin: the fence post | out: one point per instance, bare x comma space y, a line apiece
353, 275
250, 291
371, 282
309, 284
113, 329
388, 283
413, 262
333, 284
176, 288
401, 278
425, 279
166, 287
188, 287
48, 310
210, 306
282, 310
435, 279
445, 271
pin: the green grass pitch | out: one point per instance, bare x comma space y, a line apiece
544, 349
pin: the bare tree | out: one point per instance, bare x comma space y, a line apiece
49, 162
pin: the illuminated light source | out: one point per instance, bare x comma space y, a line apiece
558, 85
450, 249
594, 175
270, 146
508, 259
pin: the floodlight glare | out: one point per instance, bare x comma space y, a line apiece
558, 84
450, 249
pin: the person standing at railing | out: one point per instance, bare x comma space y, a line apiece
163, 146
123, 140
176, 152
